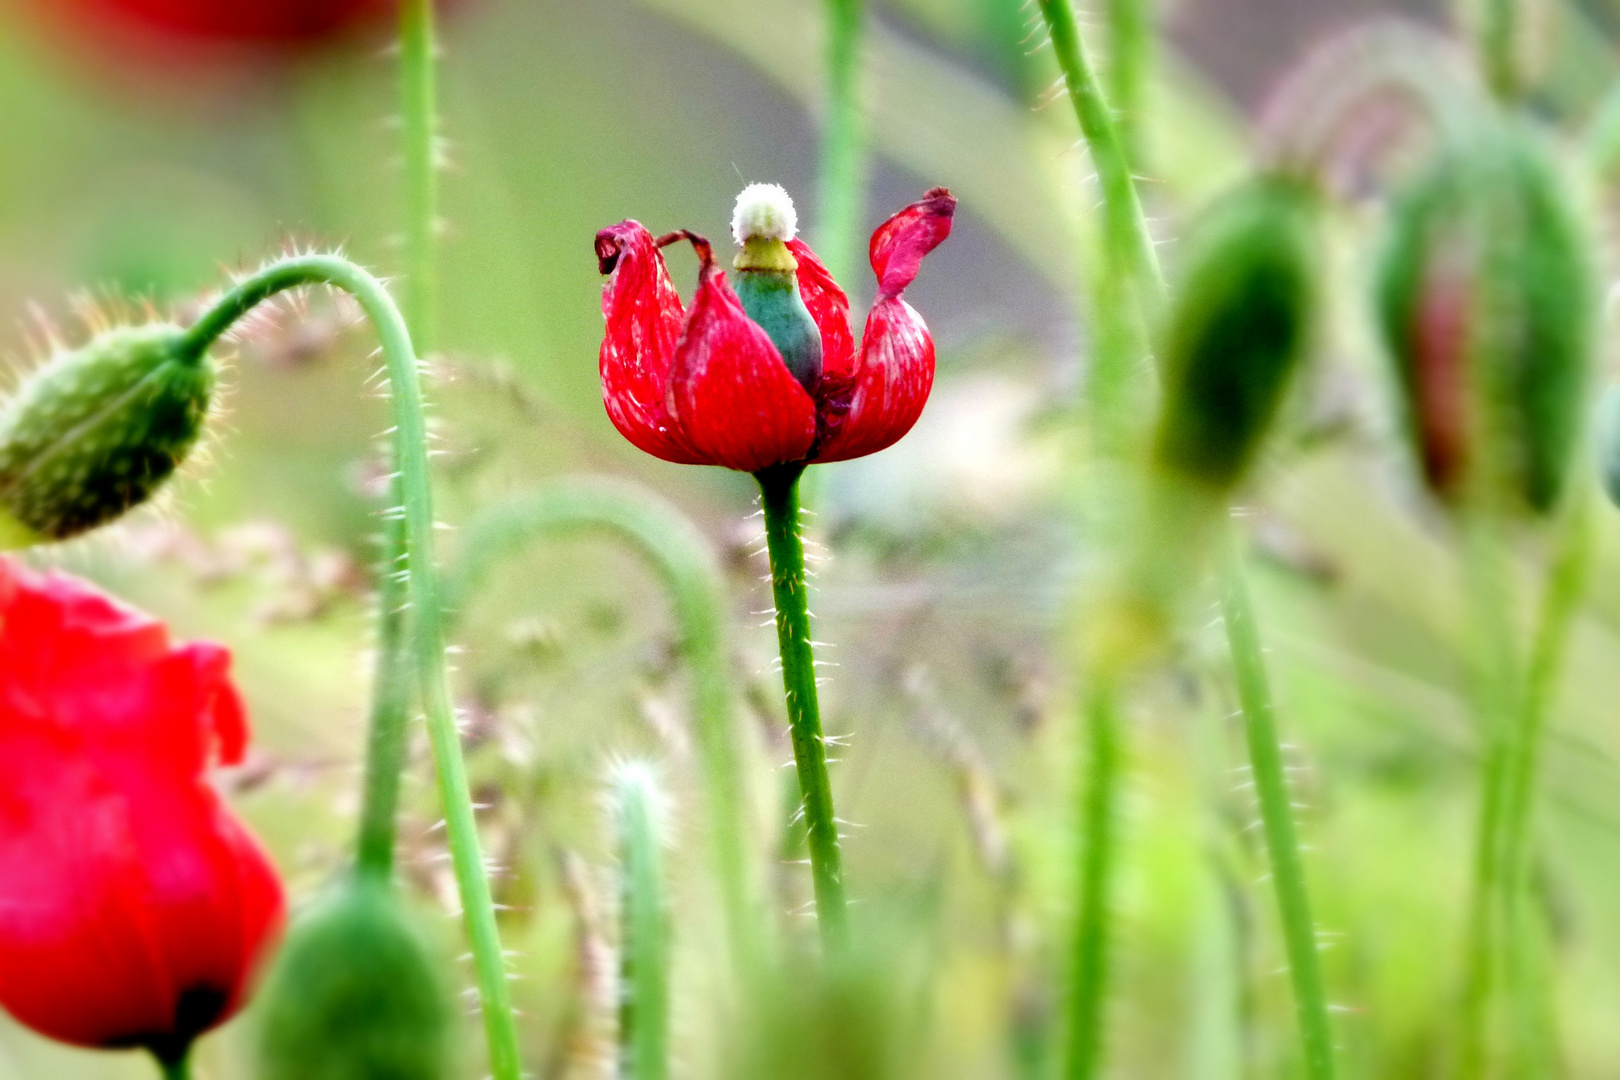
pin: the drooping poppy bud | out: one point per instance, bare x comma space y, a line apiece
96, 431
736, 380
1237, 331
1487, 301
133, 905
358, 992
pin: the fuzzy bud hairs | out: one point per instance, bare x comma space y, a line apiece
764, 210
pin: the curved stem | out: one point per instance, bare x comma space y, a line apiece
779, 490
686, 562
391, 691
1089, 974
410, 448
841, 167
1276, 817
643, 929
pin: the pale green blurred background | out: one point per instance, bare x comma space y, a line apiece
948, 590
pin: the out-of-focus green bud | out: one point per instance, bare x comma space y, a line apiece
1486, 297
1238, 329
95, 431
357, 993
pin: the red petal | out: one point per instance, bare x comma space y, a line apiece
881, 398
829, 307
133, 906
900, 243
643, 313
734, 398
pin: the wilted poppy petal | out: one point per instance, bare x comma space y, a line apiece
900, 243
734, 398
643, 314
881, 398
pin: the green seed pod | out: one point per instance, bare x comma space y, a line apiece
1486, 297
95, 432
1238, 329
357, 993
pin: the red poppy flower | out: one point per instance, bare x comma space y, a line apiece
268, 23
133, 905
710, 385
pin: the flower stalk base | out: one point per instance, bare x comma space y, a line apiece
779, 491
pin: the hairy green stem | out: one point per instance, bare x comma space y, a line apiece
842, 172
779, 490
1130, 45
1276, 816
1088, 994
391, 679
643, 928
689, 569
427, 636
1126, 238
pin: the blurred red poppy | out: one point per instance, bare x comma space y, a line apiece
708, 386
225, 22
133, 905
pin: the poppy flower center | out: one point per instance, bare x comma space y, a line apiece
767, 279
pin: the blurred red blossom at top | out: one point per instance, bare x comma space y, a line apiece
133, 905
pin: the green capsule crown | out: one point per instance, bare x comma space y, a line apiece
96, 431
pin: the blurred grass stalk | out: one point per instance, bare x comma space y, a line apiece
1514, 693
638, 819
686, 564
1131, 274
843, 173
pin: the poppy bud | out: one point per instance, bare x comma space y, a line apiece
1237, 331
1486, 300
357, 993
95, 432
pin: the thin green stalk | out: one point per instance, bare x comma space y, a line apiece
1089, 963
1127, 242
779, 490
1565, 586
1498, 46
686, 563
391, 690
415, 481
176, 1070
643, 925
1130, 45
842, 171
1277, 817
1497, 692
418, 123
